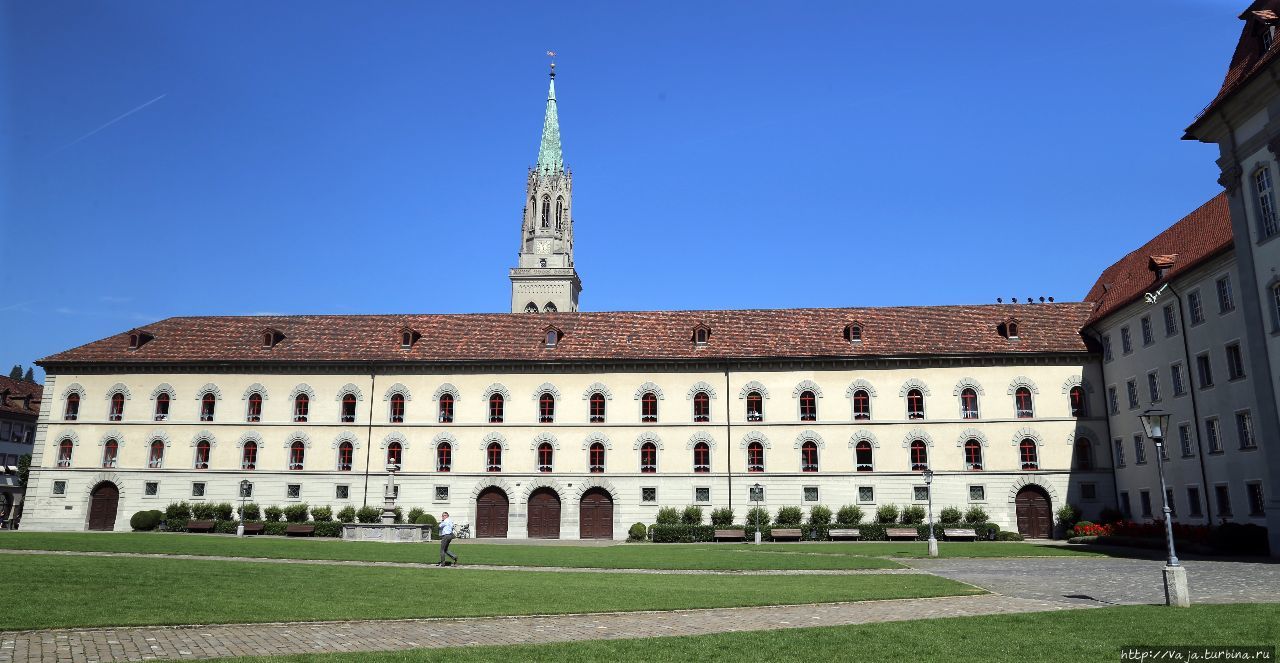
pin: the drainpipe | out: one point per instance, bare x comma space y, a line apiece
1195, 407
728, 437
368, 439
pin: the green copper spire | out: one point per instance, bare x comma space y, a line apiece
549, 155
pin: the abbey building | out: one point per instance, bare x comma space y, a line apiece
547, 422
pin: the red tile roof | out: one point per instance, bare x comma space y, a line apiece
17, 389
1196, 238
1248, 58
645, 335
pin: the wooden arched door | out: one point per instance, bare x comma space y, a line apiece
491, 514
595, 515
102, 506
1035, 515
544, 514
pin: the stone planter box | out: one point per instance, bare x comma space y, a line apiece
388, 533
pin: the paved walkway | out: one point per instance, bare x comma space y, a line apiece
479, 567
197, 642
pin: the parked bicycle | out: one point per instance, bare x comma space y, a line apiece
463, 531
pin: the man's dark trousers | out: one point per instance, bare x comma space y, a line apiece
444, 548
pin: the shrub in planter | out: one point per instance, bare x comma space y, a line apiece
682, 533
250, 511
668, 515
425, 519
820, 515
296, 513
328, 528
913, 515
322, 514
399, 515
638, 532
1068, 516
225, 526
986, 531
692, 515
273, 514
178, 511
975, 515
203, 511
415, 513
722, 517
368, 514
887, 514
789, 517
275, 528
1008, 536
758, 516
873, 531
1109, 515
347, 514
224, 511
145, 521
849, 515
950, 516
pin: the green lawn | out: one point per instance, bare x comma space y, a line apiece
629, 556
49, 591
1076, 635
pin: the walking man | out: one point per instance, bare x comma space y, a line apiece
446, 535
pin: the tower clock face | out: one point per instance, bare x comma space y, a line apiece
543, 247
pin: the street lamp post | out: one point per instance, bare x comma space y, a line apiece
928, 484
1155, 422
757, 492
244, 493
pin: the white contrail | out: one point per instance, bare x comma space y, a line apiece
121, 117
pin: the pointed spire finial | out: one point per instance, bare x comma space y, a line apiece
549, 153
552, 55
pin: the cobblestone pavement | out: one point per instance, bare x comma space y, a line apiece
477, 567
1114, 580
197, 642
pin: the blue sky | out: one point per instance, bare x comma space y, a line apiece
161, 158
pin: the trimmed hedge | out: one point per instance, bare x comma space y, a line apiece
681, 533
328, 528
178, 511
250, 511
145, 521
722, 517
849, 515
368, 514
175, 524
668, 515
347, 514
275, 528
225, 526
638, 532
296, 513
322, 514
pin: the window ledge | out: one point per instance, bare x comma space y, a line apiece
1242, 378
1252, 448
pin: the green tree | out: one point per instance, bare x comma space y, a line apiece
15, 373
24, 468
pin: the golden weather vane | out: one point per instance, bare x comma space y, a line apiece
552, 55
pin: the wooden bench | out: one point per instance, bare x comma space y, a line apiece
960, 534
199, 525
901, 533
786, 534
845, 534
300, 530
730, 535
253, 528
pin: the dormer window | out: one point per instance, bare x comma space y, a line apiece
133, 341
408, 336
270, 337
1162, 264
552, 337
1008, 329
853, 333
700, 335
138, 338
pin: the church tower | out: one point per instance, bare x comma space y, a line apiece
544, 279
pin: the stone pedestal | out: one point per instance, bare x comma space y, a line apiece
1175, 587
933, 547
387, 533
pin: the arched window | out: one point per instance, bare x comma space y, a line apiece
395, 454
546, 408
546, 457
1027, 452
559, 212
530, 308
207, 404
117, 407
808, 406
446, 408
915, 404
861, 405
968, 404
64, 453
156, 460
349, 408
1084, 455
493, 457
648, 458
809, 457
110, 453
1078, 402
972, 455
444, 457
596, 408
397, 408
595, 458
755, 457
298, 454
162, 407
346, 456
202, 455
300, 406
701, 407
701, 457
1022, 402
755, 406
249, 456
72, 411
649, 407
546, 211
495, 409
919, 456
862, 456
254, 413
